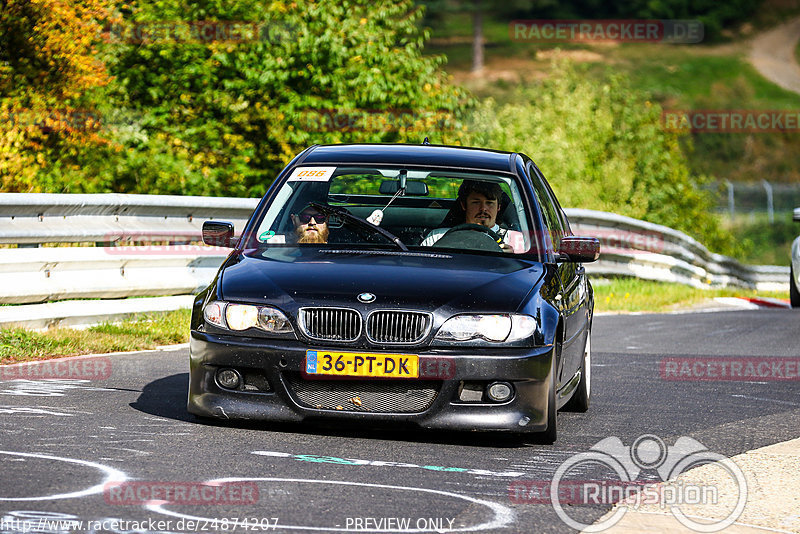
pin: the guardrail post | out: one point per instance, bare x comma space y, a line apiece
770, 206
731, 205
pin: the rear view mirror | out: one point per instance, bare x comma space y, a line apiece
579, 249
415, 188
797, 215
218, 234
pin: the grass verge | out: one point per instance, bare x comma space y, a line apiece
147, 331
142, 332
628, 295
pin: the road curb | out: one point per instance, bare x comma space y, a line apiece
160, 348
767, 302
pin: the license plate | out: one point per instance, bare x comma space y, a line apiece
336, 363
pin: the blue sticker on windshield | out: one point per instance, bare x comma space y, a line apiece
311, 361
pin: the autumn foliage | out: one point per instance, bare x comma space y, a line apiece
48, 68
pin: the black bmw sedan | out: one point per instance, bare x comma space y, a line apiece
431, 286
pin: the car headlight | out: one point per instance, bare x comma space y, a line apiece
273, 321
213, 313
243, 316
493, 328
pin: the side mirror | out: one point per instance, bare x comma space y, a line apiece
579, 249
796, 215
218, 234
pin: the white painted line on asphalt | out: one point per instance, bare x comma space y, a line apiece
112, 476
503, 515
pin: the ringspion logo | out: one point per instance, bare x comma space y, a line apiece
642, 474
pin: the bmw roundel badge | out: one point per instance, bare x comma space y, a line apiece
366, 298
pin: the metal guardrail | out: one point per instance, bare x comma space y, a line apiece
35, 218
630, 247
645, 250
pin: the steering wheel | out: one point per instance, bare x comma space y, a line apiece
470, 236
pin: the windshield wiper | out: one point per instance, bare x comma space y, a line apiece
360, 222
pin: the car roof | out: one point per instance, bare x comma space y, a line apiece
399, 154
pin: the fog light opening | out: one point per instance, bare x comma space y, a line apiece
500, 391
229, 378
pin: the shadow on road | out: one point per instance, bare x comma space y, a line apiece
166, 397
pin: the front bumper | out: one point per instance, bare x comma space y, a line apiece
277, 365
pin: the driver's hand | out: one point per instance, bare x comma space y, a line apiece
505, 247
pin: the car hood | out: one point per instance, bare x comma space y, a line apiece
293, 277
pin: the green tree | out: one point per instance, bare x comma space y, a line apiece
602, 146
48, 65
228, 115
479, 11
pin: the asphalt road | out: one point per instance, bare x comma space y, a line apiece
66, 445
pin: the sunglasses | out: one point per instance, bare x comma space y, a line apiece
305, 218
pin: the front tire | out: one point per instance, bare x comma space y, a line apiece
583, 393
794, 293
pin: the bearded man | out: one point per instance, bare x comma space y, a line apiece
311, 226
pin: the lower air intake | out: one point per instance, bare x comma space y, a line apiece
376, 396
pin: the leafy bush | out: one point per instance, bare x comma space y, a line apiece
47, 65
234, 114
602, 146
219, 116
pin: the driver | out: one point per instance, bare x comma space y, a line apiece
480, 202
311, 226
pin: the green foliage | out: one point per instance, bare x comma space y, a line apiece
47, 67
602, 146
231, 115
764, 242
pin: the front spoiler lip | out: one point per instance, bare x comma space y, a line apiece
528, 369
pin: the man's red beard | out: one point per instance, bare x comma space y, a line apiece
320, 236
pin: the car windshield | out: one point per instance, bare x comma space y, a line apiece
398, 208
